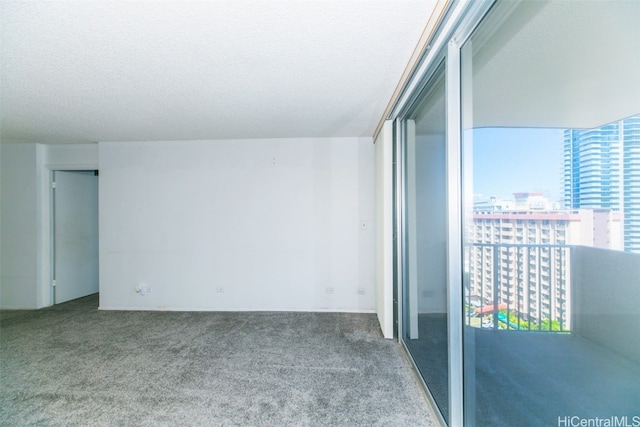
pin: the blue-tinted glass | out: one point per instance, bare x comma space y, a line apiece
425, 329
551, 172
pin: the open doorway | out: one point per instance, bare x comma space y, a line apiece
75, 234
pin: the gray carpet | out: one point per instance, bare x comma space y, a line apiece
74, 365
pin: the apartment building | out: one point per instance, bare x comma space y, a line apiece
521, 259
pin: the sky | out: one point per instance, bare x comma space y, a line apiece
512, 160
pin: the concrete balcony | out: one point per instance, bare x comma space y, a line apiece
527, 373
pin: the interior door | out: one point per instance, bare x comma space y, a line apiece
75, 226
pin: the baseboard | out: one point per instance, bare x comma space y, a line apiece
274, 310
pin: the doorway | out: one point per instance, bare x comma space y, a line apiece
75, 234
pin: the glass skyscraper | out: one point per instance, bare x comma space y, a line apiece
602, 170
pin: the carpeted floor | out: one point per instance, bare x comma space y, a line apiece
74, 365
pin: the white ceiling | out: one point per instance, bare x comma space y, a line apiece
83, 71
557, 64
548, 64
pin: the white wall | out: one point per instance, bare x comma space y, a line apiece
431, 224
25, 218
238, 225
72, 156
19, 227
604, 293
1, 237
384, 229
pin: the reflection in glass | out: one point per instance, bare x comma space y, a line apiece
551, 172
425, 296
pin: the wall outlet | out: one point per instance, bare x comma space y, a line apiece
143, 289
360, 291
331, 290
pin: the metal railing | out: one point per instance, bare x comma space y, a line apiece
524, 287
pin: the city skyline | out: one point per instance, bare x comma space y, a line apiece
602, 170
572, 168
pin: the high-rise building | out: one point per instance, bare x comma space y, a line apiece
602, 170
519, 260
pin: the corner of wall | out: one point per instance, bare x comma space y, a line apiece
18, 227
384, 229
1, 192
43, 255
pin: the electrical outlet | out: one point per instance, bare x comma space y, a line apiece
331, 290
361, 291
143, 289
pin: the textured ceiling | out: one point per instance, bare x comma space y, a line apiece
81, 71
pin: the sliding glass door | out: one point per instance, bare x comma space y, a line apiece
519, 214
424, 321
551, 142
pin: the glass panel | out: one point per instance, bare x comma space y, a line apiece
425, 298
551, 173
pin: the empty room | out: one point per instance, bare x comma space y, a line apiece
310, 213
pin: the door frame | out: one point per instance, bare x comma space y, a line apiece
54, 254
46, 222
460, 19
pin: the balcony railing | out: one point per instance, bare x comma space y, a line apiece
591, 292
521, 291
